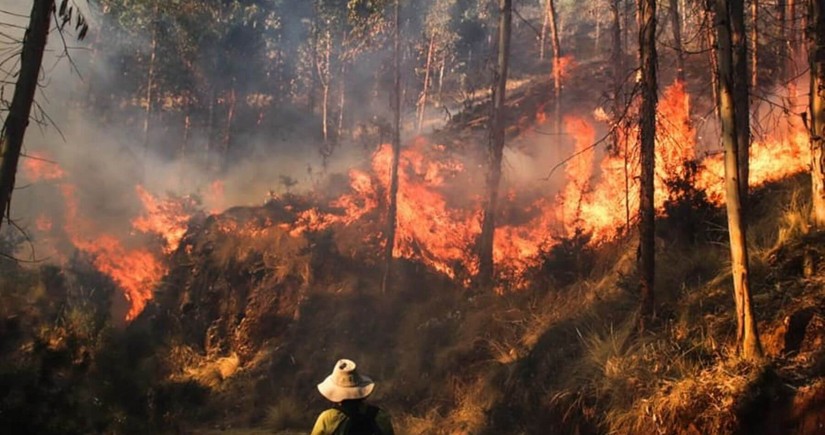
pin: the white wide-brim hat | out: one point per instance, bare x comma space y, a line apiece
345, 383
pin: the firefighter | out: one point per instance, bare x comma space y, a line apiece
350, 414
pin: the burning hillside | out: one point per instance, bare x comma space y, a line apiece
439, 209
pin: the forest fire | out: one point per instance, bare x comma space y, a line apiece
593, 203
167, 218
201, 195
596, 200
136, 271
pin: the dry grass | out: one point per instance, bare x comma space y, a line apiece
285, 415
283, 254
685, 375
210, 373
703, 400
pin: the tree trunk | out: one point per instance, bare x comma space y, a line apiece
441, 74
676, 27
628, 12
325, 112
17, 118
617, 58
496, 148
150, 83
210, 127
557, 72
187, 126
342, 101
227, 130
323, 75
422, 104
596, 44
619, 134
647, 54
782, 46
792, 39
710, 37
184, 143
740, 93
91, 97
543, 37
747, 337
816, 56
754, 43
396, 152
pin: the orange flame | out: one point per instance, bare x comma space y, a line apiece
167, 218
37, 167
427, 227
135, 271
442, 236
579, 171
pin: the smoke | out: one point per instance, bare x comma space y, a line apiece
104, 158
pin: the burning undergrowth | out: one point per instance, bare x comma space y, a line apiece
439, 204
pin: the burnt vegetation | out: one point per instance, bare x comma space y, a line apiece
518, 217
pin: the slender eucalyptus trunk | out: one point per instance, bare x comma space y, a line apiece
323, 75
150, 84
740, 93
557, 67
422, 104
396, 153
342, 101
17, 118
441, 68
676, 27
543, 37
496, 148
816, 56
793, 54
647, 55
598, 32
187, 127
617, 58
227, 130
619, 134
746, 334
184, 143
792, 40
710, 39
754, 43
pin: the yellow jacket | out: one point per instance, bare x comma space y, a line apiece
333, 421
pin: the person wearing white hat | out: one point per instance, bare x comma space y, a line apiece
350, 414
